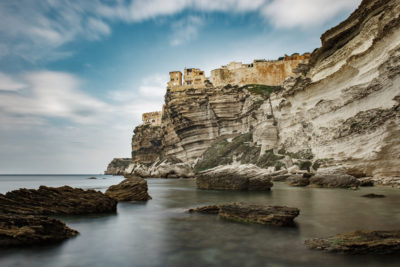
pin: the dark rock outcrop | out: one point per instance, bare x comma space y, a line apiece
117, 166
25, 230
56, 201
298, 180
373, 195
334, 181
21, 213
252, 213
359, 242
130, 189
231, 177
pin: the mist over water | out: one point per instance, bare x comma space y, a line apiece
160, 233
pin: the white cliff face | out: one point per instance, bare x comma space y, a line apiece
350, 109
342, 108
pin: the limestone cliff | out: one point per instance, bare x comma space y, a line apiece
340, 109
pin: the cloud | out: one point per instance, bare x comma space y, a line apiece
7, 83
49, 94
36, 30
304, 13
185, 30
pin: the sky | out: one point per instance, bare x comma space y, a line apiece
76, 75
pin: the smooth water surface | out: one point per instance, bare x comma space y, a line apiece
160, 233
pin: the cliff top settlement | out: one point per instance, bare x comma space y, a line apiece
267, 72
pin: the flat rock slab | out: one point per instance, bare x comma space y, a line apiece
232, 177
334, 181
359, 242
56, 201
130, 189
25, 230
252, 213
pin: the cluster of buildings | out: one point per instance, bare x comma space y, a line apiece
267, 72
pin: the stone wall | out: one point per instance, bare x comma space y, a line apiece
259, 72
152, 118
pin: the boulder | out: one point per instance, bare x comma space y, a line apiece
235, 177
56, 201
280, 178
334, 181
130, 189
24, 230
298, 180
359, 242
252, 213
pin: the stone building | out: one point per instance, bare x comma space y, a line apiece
194, 77
152, 118
268, 72
175, 79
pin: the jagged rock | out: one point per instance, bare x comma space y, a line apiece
56, 201
25, 230
373, 195
359, 242
294, 169
130, 189
252, 213
117, 166
235, 177
298, 180
162, 168
280, 178
334, 181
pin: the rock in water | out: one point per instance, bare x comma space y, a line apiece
334, 181
232, 177
130, 189
373, 196
56, 201
23, 230
359, 242
252, 213
298, 180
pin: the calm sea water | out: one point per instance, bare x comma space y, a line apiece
160, 233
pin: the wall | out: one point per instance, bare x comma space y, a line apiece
260, 72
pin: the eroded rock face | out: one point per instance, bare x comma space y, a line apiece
359, 242
130, 189
334, 181
117, 166
252, 213
235, 177
26, 230
56, 201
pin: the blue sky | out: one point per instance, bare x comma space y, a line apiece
75, 76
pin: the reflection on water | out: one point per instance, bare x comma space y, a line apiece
160, 233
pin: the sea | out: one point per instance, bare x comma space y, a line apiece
160, 232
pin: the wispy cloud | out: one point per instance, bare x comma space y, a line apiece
304, 13
35, 30
49, 94
185, 30
8, 83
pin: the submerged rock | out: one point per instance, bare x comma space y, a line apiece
56, 201
334, 181
232, 177
359, 242
23, 230
252, 213
130, 189
373, 196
